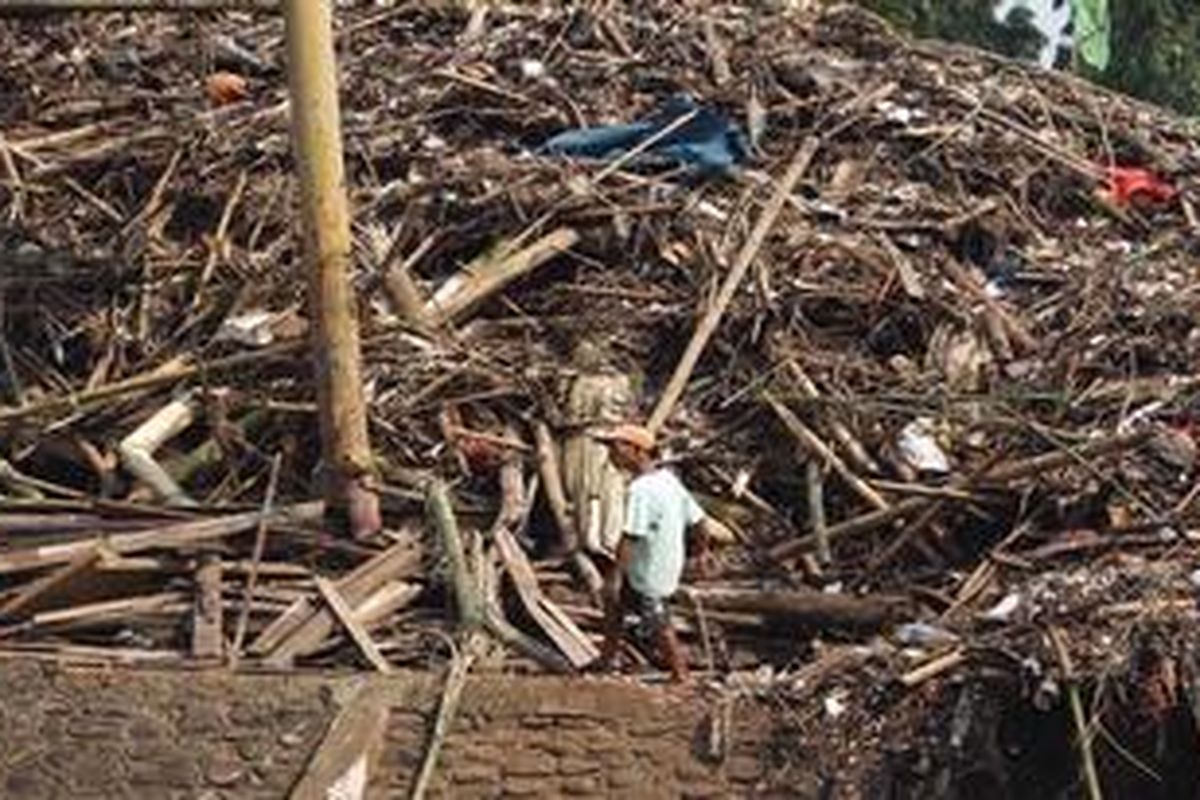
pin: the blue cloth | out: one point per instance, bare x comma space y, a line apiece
708, 142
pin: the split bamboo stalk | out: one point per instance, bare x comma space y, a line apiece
552, 485
712, 317
819, 450
1087, 758
816, 511
316, 130
260, 543
489, 274
853, 448
469, 604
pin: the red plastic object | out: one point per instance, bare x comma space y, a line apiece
1127, 185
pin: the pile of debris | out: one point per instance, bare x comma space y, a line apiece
917, 323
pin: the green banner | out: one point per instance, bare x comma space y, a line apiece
1093, 32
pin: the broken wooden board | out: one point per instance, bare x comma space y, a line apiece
386, 601
27, 598
166, 537
337, 604
208, 641
301, 629
553, 621
341, 765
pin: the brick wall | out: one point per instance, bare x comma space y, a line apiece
76, 733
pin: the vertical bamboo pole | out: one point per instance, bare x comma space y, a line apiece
316, 132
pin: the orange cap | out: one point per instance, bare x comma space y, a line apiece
636, 435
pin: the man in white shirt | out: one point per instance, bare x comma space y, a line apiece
652, 550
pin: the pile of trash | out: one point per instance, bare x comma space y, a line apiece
958, 352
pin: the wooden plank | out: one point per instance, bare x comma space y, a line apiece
391, 597
552, 485
208, 641
109, 610
341, 765
488, 275
28, 596
560, 628
308, 625
300, 611
167, 537
345, 616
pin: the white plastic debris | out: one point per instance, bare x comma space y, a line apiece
924, 634
1195, 578
1004, 610
835, 703
252, 329
533, 69
920, 449
741, 483
434, 143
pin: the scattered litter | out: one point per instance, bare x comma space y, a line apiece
922, 634
919, 447
1004, 610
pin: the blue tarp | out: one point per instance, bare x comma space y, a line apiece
708, 142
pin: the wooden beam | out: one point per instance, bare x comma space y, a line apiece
345, 616
29, 595
208, 641
809, 608
341, 765
302, 628
166, 537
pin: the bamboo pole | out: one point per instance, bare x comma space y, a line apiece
745, 258
316, 130
468, 603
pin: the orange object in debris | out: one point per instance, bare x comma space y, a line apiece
481, 455
1134, 185
226, 87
